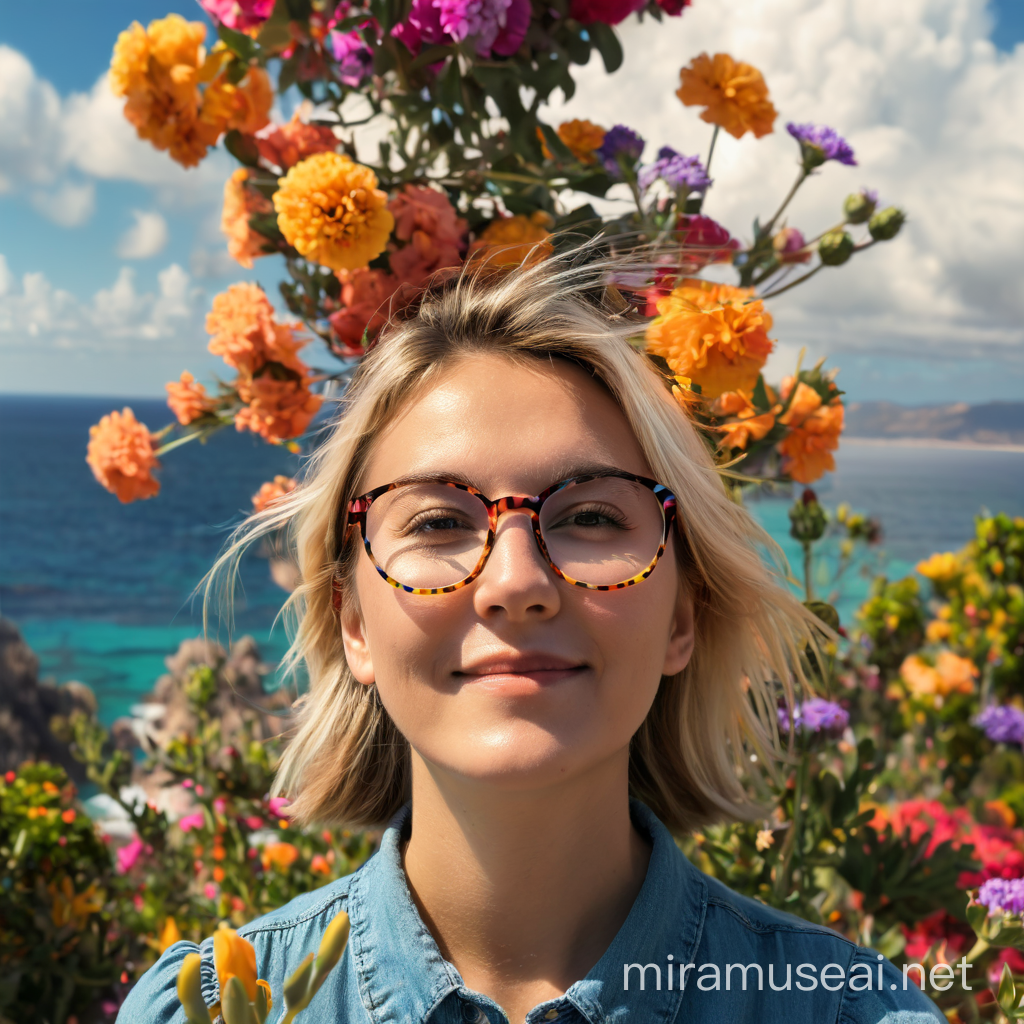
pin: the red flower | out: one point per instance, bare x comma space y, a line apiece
611, 12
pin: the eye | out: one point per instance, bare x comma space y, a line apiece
437, 521
589, 518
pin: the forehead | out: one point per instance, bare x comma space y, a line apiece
507, 427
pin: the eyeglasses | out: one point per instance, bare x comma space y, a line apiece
604, 531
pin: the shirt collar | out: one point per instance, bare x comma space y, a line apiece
403, 976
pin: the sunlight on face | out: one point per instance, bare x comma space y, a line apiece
519, 678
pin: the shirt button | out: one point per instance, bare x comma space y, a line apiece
552, 1014
470, 1012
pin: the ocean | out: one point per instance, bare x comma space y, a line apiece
103, 591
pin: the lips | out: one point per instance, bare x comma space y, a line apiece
523, 673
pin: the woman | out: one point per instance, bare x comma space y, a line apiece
540, 638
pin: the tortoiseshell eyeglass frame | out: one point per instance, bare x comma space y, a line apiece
358, 508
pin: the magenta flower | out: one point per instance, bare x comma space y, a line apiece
191, 821
676, 170
819, 143
611, 12
496, 26
211, 890
239, 15
622, 148
277, 805
254, 822
355, 61
1002, 894
1002, 724
128, 855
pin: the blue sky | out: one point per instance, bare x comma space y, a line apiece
88, 306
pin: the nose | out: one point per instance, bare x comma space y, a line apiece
516, 582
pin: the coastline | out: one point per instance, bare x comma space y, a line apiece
932, 442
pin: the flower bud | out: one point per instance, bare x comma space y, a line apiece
859, 206
807, 518
190, 990
332, 945
886, 224
235, 1007
296, 986
264, 1001
835, 248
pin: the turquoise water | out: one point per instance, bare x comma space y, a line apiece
102, 591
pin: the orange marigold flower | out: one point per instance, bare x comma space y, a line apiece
365, 297
426, 220
284, 145
276, 409
950, 674
122, 456
281, 855
814, 430
510, 241
244, 106
245, 333
747, 425
187, 399
330, 209
710, 335
240, 203
734, 94
581, 138
271, 491
157, 70
319, 866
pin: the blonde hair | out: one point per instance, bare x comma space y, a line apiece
346, 761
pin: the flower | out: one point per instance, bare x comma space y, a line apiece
1004, 956
765, 839
243, 106
278, 805
423, 25
674, 8
733, 94
169, 935
157, 71
819, 143
272, 491
497, 26
354, 57
814, 716
187, 399
1002, 724
190, 821
245, 333
122, 456
234, 957
276, 409
319, 866
676, 170
1002, 894
240, 204
427, 221
708, 333
790, 246
364, 296
281, 855
581, 138
509, 241
69, 907
813, 436
950, 674
747, 426
240, 15
621, 149
330, 209
128, 855
942, 567
284, 145
611, 12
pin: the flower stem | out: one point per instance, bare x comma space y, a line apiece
793, 284
711, 151
800, 179
808, 587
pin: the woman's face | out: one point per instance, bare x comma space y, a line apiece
518, 679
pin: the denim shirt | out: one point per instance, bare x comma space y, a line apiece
392, 970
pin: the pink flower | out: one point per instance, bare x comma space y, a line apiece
355, 61
277, 805
128, 855
238, 14
211, 890
188, 783
191, 821
611, 12
220, 804
254, 822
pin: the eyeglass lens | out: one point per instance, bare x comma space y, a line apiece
601, 532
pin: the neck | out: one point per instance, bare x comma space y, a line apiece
524, 890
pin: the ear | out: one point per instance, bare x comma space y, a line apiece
681, 639
357, 648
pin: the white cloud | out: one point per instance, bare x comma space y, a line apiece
933, 112
116, 319
70, 205
30, 136
145, 238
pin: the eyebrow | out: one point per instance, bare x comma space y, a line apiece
566, 471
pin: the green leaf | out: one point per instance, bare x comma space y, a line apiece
825, 612
560, 150
608, 45
431, 55
596, 184
1007, 994
241, 45
242, 147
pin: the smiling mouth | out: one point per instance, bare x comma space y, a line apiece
539, 671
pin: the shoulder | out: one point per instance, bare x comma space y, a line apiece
281, 939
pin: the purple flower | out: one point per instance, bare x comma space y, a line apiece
621, 146
497, 26
676, 170
816, 715
1002, 724
355, 61
819, 143
1002, 894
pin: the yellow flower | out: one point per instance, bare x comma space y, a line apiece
234, 956
937, 630
245, 106
712, 337
734, 94
950, 674
169, 934
510, 241
69, 907
330, 209
941, 567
